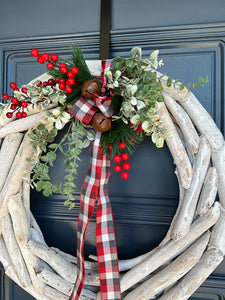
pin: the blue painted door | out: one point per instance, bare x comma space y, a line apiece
190, 36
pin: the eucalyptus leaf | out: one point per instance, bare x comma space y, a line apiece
86, 143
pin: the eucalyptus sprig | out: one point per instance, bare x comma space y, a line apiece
71, 145
140, 89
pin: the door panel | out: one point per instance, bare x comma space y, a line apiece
191, 45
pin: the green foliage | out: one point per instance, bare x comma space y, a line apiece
137, 89
201, 82
120, 132
71, 146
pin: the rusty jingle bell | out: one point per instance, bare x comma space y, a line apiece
99, 122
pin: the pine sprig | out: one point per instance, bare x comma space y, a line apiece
79, 61
120, 132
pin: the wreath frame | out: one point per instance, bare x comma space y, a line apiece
193, 247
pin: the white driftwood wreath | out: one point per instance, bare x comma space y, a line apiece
193, 247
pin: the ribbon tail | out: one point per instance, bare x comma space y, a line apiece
106, 240
88, 196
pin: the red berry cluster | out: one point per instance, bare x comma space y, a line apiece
16, 105
64, 84
139, 127
119, 158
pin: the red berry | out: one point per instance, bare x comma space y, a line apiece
117, 158
126, 166
54, 57
110, 147
34, 52
39, 84
40, 60
122, 145
124, 175
57, 80
63, 70
24, 90
70, 74
14, 100
24, 104
13, 85
50, 66
9, 115
69, 89
51, 82
19, 115
117, 168
13, 106
16, 89
5, 97
62, 81
139, 128
74, 70
62, 65
125, 156
24, 114
70, 81
45, 56
45, 83
62, 86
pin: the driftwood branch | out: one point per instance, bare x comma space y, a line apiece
183, 120
187, 208
161, 255
176, 147
171, 273
14, 251
8, 152
203, 121
189, 284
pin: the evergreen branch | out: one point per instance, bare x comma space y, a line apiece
120, 132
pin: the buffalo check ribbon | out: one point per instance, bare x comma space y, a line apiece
95, 189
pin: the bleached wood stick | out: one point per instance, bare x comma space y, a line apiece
182, 191
172, 272
187, 209
4, 255
203, 121
21, 125
161, 255
217, 239
89, 265
62, 266
176, 147
218, 158
209, 191
56, 281
54, 294
21, 230
14, 251
10, 272
61, 285
14, 179
189, 284
183, 120
56, 261
8, 152
26, 194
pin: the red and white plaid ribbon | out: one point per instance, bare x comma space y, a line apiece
95, 186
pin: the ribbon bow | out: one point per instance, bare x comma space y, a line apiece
95, 186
